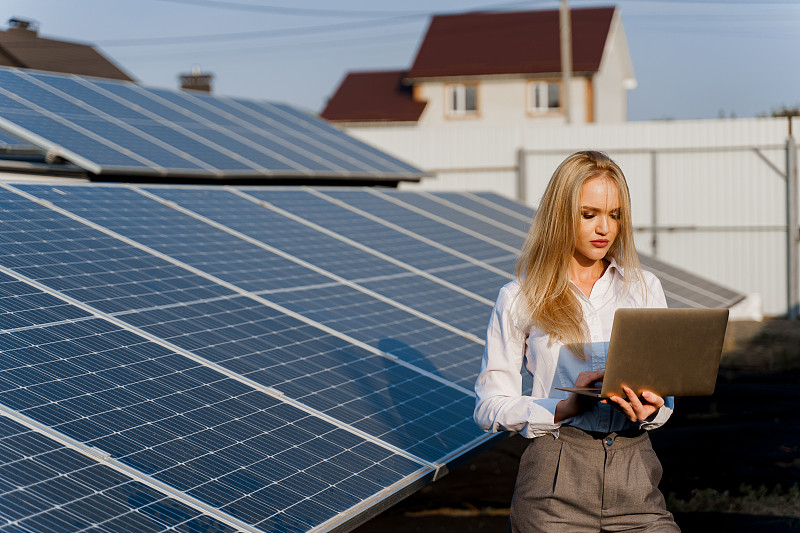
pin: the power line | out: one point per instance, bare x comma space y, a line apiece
303, 30
261, 34
280, 10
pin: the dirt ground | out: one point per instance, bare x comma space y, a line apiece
731, 460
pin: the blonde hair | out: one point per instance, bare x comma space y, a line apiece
543, 269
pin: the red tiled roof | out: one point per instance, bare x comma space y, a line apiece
373, 96
25, 49
525, 42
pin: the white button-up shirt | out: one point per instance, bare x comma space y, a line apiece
501, 404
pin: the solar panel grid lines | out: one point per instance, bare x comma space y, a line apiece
306, 264
257, 222
421, 238
284, 131
410, 268
352, 423
506, 204
126, 125
709, 298
395, 200
366, 155
437, 265
154, 395
433, 451
102, 458
281, 309
265, 150
65, 128
471, 212
487, 201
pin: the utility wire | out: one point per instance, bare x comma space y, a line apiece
280, 10
303, 30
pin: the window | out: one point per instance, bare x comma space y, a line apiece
544, 96
462, 99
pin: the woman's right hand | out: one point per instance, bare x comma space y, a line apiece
575, 403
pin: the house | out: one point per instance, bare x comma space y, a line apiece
22, 47
497, 68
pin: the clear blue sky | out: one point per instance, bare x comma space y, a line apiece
693, 59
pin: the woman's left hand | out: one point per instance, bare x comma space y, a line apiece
633, 407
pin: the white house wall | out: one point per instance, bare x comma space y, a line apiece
719, 190
610, 94
501, 102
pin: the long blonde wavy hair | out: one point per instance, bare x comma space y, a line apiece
543, 269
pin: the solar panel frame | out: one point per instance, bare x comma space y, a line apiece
68, 121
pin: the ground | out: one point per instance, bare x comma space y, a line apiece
731, 460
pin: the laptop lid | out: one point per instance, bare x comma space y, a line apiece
671, 352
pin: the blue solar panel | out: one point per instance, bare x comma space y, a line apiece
408, 249
420, 225
506, 203
294, 238
217, 327
468, 221
111, 127
292, 120
185, 424
180, 236
334, 256
9, 142
490, 210
46, 486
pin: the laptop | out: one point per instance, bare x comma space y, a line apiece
671, 352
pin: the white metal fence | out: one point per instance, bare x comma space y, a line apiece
708, 195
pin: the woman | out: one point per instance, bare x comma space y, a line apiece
589, 465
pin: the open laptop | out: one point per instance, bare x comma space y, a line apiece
671, 352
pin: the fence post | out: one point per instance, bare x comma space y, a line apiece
654, 202
522, 175
791, 226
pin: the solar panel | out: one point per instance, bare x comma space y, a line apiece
347, 220
292, 365
258, 459
49, 486
113, 127
337, 257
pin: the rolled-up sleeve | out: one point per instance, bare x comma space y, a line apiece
500, 404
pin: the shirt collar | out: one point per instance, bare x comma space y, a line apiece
612, 263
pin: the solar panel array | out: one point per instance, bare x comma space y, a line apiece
243, 359
111, 127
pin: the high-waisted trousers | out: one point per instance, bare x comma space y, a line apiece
589, 482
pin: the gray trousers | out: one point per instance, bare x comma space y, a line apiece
582, 482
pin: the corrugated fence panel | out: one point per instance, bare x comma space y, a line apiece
719, 184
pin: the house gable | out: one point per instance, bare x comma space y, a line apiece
373, 97
480, 44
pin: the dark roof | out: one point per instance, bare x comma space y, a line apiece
22, 47
524, 42
373, 96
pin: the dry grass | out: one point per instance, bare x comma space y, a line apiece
747, 500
